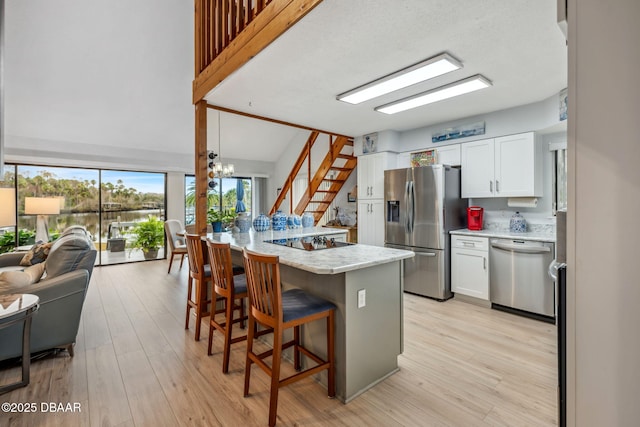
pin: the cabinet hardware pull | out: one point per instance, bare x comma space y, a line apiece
484, 262
491, 186
497, 186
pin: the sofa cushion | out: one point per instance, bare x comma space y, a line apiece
37, 254
16, 281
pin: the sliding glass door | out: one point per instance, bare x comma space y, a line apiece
118, 209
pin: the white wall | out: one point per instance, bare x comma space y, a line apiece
539, 116
602, 233
531, 117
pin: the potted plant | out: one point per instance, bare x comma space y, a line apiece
220, 218
149, 236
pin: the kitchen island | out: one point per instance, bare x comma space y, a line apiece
368, 330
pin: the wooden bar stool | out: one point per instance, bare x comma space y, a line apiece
201, 274
271, 307
233, 289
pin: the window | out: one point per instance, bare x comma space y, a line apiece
106, 202
228, 194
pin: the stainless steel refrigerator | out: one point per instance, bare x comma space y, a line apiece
421, 206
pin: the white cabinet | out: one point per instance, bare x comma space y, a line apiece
371, 169
371, 222
371, 196
470, 266
448, 155
477, 168
508, 166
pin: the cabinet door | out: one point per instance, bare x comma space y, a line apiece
449, 155
377, 166
371, 174
470, 273
363, 178
477, 169
364, 223
371, 222
516, 160
377, 222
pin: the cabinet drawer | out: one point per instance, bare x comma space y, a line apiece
470, 242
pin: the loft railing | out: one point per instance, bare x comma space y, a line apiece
228, 33
219, 22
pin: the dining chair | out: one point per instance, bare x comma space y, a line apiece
273, 308
176, 244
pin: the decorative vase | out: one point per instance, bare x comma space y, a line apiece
216, 226
243, 222
308, 220
261, 223
294, 221
278, 221
517, 224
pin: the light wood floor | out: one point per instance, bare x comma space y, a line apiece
135, 365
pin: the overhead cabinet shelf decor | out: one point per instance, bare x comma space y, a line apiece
508, 166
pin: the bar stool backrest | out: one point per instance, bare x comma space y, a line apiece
195, 255
221, 267
263, 287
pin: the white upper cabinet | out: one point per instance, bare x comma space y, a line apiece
371, 169
449, 155
508, 166
477, 168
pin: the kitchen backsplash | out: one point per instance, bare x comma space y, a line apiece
537, 223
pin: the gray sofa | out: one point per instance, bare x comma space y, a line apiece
62, 292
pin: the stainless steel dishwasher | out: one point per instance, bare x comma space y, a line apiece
518, 276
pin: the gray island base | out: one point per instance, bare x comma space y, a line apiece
368, 339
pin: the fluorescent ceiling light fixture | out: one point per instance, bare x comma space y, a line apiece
425, 70
461, 87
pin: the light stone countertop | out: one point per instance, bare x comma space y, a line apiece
539, 236
325, 261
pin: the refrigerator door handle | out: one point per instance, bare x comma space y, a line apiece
412, 208
407, 229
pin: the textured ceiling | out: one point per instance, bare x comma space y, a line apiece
121, 77
343, 44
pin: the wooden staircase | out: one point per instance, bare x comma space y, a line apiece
327, 181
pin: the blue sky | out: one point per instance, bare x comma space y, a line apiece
144, 182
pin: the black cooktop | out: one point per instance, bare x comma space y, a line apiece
310, 243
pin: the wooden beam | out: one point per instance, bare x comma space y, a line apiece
267, 119
201, 167
273, 21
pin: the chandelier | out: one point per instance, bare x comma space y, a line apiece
220, 170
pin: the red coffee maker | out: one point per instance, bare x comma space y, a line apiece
474, 217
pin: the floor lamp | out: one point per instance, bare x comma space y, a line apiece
8, 209
42, 206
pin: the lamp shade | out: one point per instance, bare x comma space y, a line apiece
41, 205
7, 207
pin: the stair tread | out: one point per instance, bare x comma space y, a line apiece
346, 156
340, 168
326, 191
334, 180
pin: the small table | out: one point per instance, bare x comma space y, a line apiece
15, 308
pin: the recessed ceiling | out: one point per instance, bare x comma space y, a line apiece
341, 45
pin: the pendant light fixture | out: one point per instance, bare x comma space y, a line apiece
220, 170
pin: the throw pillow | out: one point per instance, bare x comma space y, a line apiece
37, 254
13, 281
